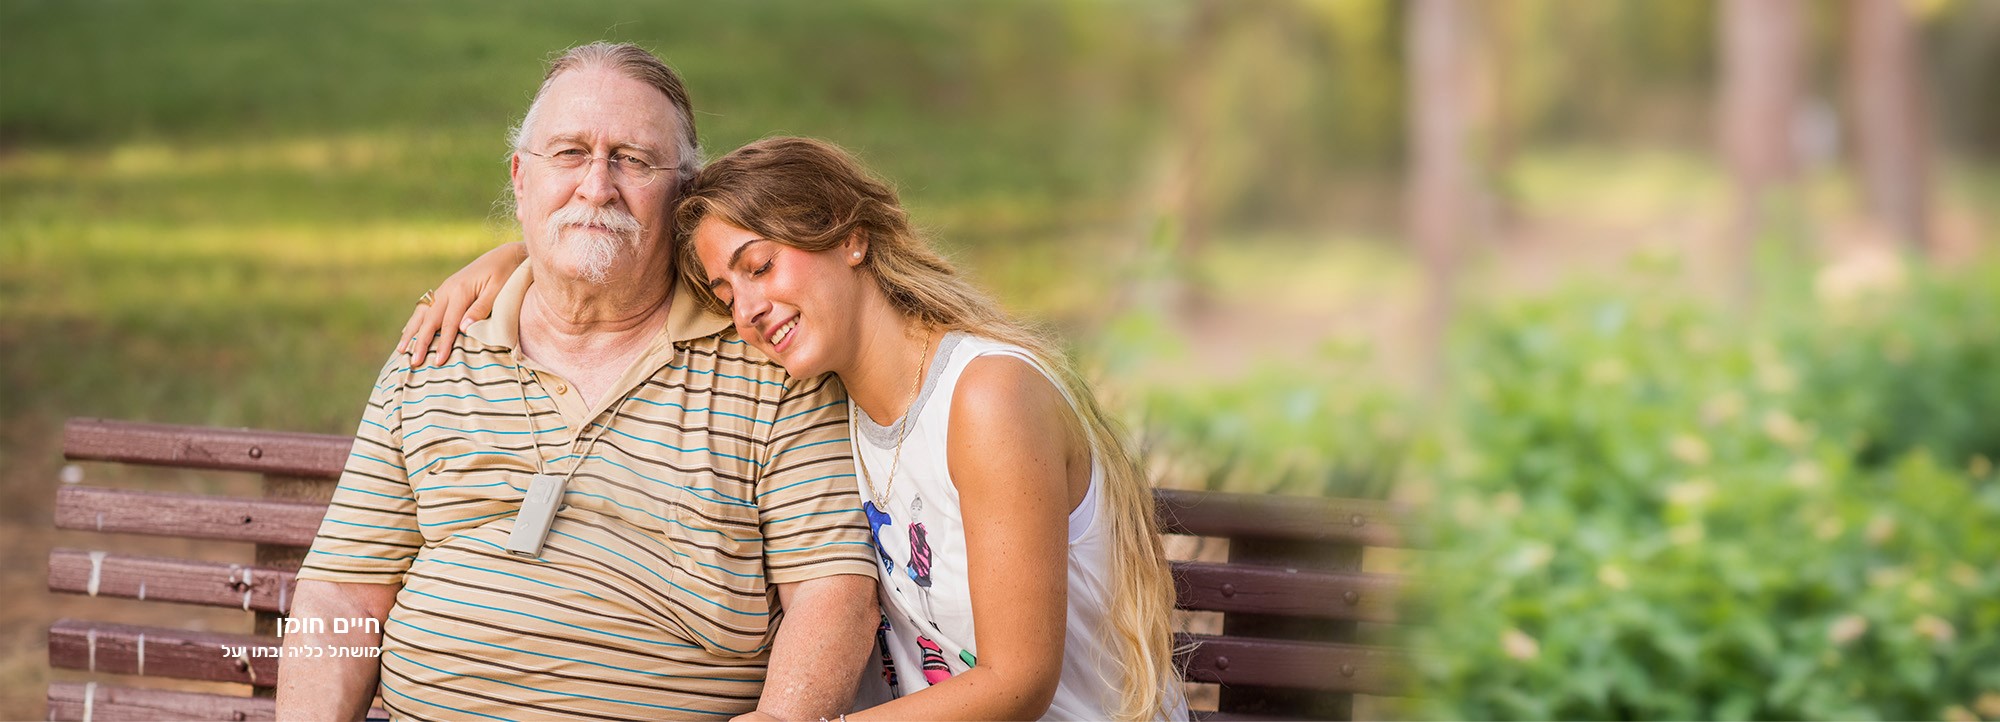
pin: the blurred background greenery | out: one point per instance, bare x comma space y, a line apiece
1702, 411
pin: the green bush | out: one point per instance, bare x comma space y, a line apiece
1921, 373
1653, 510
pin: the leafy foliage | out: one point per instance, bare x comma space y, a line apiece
1652, 512
1921, 374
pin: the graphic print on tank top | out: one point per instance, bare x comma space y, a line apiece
935, 669
876, 520
919, 565
920, 555
888, 659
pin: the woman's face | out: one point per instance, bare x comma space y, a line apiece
798, 307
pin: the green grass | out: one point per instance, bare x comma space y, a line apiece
218, 212
996, 85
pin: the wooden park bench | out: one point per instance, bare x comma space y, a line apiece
1293, 601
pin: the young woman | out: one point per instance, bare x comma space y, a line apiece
1021, 571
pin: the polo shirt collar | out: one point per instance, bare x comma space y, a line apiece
687, 319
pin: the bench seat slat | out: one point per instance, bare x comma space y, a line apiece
176, 653
1341, 668
204, 447
1213, 587
213, 584
1361, 522
221, 518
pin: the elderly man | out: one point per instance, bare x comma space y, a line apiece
602, 503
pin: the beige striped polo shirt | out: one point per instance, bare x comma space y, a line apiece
714, 476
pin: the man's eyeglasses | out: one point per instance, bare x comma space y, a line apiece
626, 170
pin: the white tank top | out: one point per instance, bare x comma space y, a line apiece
927, 633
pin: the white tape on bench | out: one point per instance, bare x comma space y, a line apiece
96, 572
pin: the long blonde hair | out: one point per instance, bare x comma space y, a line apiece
811, 195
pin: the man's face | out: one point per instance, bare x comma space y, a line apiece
587, 223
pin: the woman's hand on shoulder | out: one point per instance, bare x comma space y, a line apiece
465, 297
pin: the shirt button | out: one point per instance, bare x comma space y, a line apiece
562, 389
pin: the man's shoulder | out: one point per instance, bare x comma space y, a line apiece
732, 368
394, 374
729, 354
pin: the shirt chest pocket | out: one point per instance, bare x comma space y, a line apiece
715, 531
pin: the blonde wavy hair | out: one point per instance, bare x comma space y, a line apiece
811, 195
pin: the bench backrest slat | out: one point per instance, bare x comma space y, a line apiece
202, 447
195, 516
1199, 513
1359, 522
1341, 668
176, 653
1201, 586
1206, 586
213, 584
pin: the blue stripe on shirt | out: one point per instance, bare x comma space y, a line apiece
704, 409
694, 450
761, 494
789, 417
428, 427
507, 574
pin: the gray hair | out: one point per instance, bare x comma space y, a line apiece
635, 63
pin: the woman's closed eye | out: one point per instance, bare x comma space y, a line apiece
761, 270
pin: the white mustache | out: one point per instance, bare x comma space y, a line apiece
617, 221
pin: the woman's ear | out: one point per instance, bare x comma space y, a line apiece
856, 247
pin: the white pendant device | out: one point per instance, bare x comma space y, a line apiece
538, 513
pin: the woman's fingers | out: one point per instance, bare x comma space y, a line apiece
467, 296
447, 332
481, 307
409, 330
426, 331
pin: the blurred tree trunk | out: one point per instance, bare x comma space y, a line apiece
1440, 173
1762, 69
1888, 118
1497, 209
1193, 130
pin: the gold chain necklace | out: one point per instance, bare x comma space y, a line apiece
909, 421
